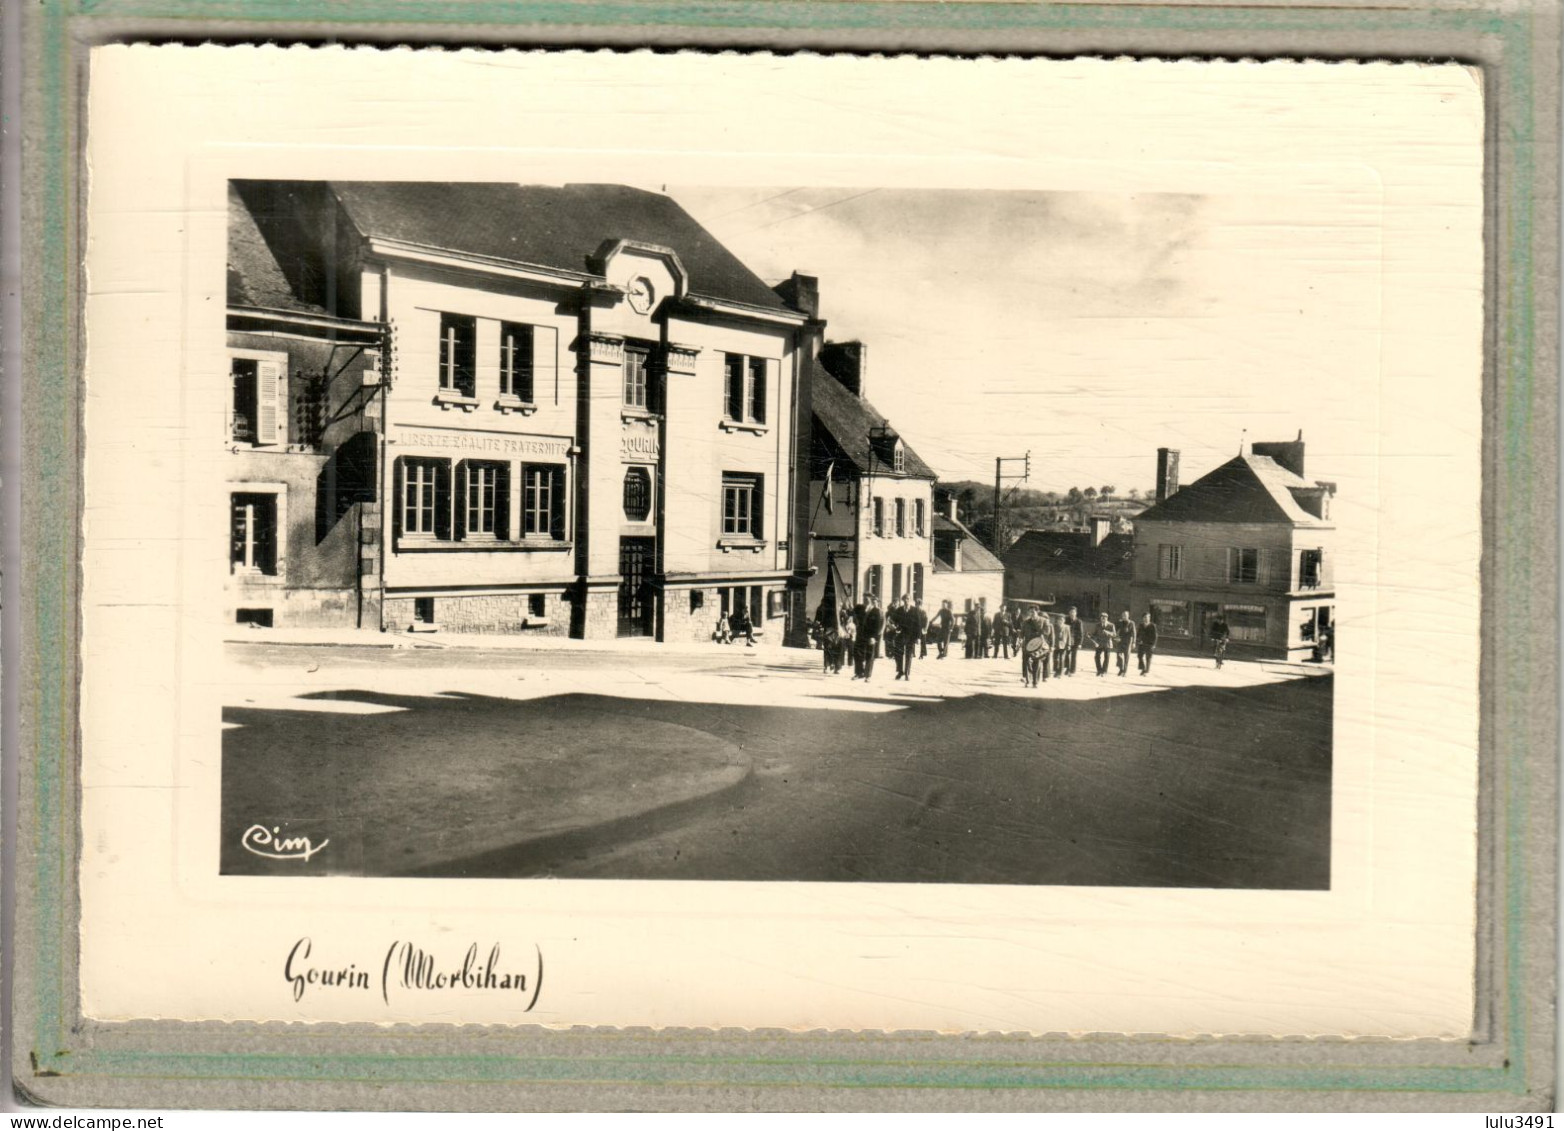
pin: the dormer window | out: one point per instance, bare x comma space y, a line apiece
899, 458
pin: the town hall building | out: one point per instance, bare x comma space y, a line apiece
562, 410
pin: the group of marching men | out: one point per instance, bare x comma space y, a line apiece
1047, 643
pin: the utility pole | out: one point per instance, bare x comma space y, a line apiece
1001, 476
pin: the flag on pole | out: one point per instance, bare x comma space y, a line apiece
830, 503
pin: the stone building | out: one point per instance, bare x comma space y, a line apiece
1253, 538
585, 416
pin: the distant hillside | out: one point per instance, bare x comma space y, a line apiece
1025, 509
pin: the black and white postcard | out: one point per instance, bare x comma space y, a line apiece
622, 539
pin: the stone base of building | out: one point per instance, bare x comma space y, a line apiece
279, 607
594, 613
539, 614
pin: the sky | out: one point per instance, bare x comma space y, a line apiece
1088, 329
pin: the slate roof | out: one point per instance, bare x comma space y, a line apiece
549, 226
842, 427
254, 276
1247, 488
975, 557
1071, 552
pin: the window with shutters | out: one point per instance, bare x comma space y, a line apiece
425, 499
257, 410
919, 518
901, 518
516, 364
1170, 563
458, 355
485, 499
746, 387
309, 410
1243, 566
543, 501
874, 581
253, 533
879, 517
741, 500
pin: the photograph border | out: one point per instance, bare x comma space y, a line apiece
60, 1058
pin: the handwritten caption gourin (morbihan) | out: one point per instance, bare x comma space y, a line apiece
411, 968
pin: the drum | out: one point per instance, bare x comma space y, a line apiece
1036, 645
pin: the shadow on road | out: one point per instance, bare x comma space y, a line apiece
1191, 787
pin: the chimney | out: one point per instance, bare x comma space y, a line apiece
801, 293
1288, 453
1167, 474
1101, 524
953, 506
848, 362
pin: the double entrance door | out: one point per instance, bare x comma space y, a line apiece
637, 561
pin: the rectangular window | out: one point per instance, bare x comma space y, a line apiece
258, 618
755, 401
485, 499
744, 388
253, 534
1170, 563
1246, 622
901, 518
537, 604
920, 518
425, 498
516, 361
1311, 569
874, 581
423, 610
458, 353
636, 377
1243, 566
543, 502
255, 411
879, 517
741, 506
1170, 617
917, 581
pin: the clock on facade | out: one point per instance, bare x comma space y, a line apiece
640, 294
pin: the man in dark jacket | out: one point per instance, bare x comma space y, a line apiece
1103, 638
1074, 638
1145, 644
985, 629
1002, 634
973, 630
905, 618
920, 619
1035, 647
1125, 628
869, 637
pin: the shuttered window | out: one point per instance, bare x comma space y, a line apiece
485, 500
425, 498
746, 387
256, 412
517, 369
458, 353
1170, 562
543, 501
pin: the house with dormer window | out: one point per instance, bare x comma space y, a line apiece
1252, 540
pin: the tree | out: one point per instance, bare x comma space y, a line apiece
1134, 493
1074, 497
1106, 492
1090, 493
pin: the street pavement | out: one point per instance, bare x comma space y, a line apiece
476, 757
